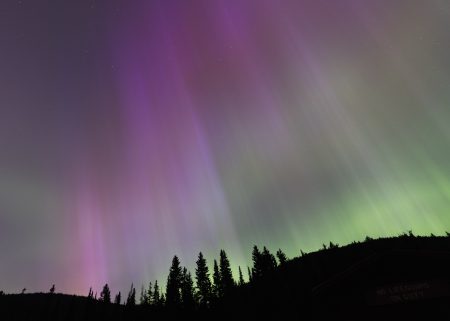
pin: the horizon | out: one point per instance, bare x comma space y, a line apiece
162, 283
132, 131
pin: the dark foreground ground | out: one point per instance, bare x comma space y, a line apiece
402, 278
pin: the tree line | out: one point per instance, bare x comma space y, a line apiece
205, 288
202, 290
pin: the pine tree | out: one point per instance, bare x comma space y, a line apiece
257, 270
156, 296
269, 262
52, 289
281, 257
249, 272
226, 277
118, 298
241, 278
216, 280
333, 246
131, 298
173, 288
143, 296
105, 295
203, 282
187, 290
91, 294
263, 262
149, 294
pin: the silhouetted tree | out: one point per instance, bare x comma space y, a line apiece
52, 289
162, 300
203, 282
216, 280
173, 288
149, 300
118, 298
105, 295
249, 272
257, 270
131, 298
90, 294
23, 290
268, 261
187, 290
448, 234
241, 278
281, 257
156, 296
333, 246
263, 262
226, 277
143, 296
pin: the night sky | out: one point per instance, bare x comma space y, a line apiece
131, 131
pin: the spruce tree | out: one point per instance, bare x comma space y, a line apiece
105, 295
249, 272
333, 246
118, 298
143, 296
156, 296
281, 257
203, 282
131, 298
226, 277
269, 261
91, 294
187, 290
216, 281
241, 278
173, 288
149, 300
257, 270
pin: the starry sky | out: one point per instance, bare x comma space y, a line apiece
131, 131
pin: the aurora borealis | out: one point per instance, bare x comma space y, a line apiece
134, 130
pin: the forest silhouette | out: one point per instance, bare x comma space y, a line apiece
403, 277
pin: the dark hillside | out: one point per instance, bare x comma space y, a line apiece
405, 277
380, 279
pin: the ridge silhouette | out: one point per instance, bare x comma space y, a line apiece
404, 277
